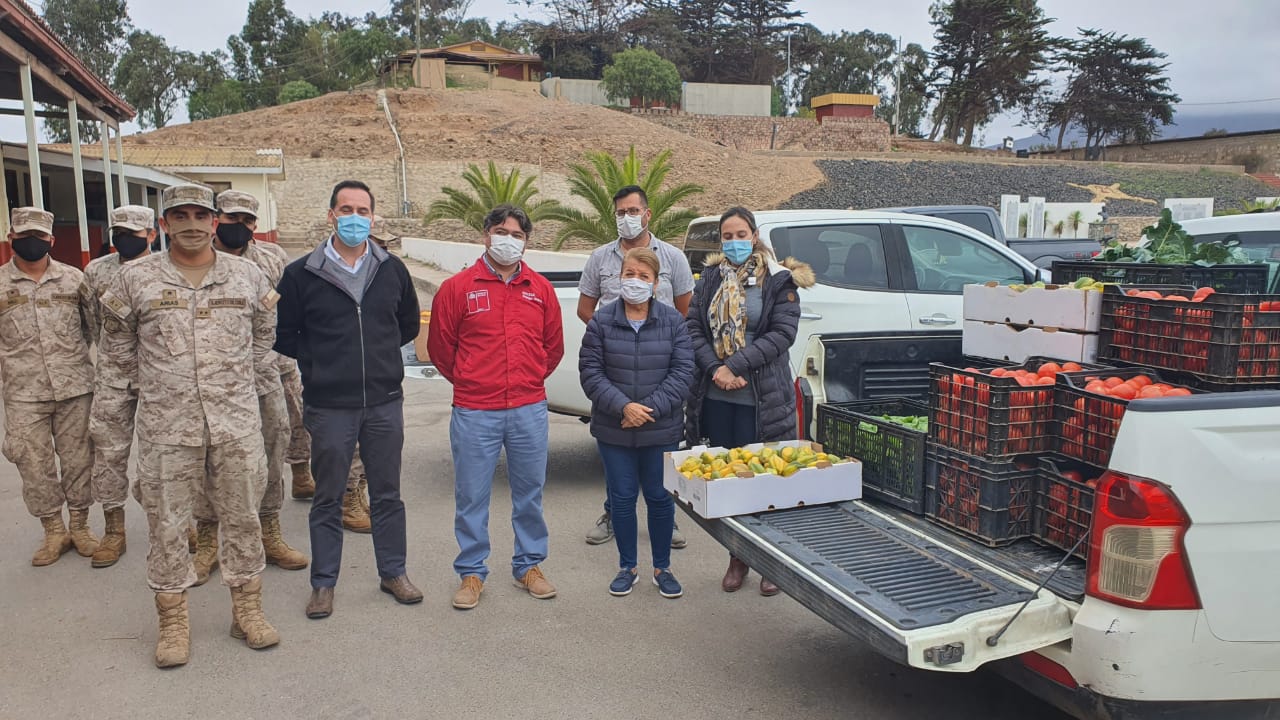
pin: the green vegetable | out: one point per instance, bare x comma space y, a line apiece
919, 423
1166, 243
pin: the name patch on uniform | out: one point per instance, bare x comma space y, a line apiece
477, 301
44, 302
227, 302
71, 298
169, 304
531, 297
13, 300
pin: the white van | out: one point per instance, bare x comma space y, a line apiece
1258, 233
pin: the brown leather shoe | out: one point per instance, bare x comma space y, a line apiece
320, 605
537, 584
403, 590
767, 588
735, 575
468, 594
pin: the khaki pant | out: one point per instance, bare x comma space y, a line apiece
299, 440
111, 426
275, 436
36, 432
357, 470
232, 476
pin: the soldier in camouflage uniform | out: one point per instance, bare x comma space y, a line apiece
46, 313
111, 420
192, 330
241, 207
235, 236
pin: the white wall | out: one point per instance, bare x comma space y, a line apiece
1061, 211
452, 257
582, 92
723, 99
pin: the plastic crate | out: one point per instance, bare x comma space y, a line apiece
994, 418
1064, 507
990, 502
893, 456
1250, 278
1226, 338
1088, 422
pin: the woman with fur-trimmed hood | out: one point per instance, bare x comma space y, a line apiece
742, 321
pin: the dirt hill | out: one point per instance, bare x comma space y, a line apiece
346, 133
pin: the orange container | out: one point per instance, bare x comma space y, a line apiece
420, 342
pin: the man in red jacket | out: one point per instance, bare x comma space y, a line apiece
496, 334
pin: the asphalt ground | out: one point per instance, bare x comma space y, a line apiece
79, 642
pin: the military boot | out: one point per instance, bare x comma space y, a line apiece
56, 541
112, 545
278, 551
173, 647
83, 540
363, 493
304, 486
247, 621
355, 516
206, 550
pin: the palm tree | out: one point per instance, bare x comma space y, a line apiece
1023, 220
1074, 221
597, 181
1059, 227
489, 189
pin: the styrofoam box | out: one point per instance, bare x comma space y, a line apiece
743, 496
1062, 308
1000, 341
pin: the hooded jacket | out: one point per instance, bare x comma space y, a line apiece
766, 361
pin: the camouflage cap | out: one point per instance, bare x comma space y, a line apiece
133, 218
187, 194
237, 201
380, 232
28, 219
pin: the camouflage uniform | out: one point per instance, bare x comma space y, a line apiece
114, 403
45, 332
187, 351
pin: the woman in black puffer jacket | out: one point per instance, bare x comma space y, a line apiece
742, 322
636, 366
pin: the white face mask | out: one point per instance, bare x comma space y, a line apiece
636, 291
505, 249
629, 228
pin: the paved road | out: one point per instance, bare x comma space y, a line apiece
78, 642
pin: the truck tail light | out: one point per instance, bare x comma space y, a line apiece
1137, 557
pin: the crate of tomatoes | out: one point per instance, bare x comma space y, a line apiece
1089, 409
1064, 502
988, 501
1229, 340
996, 413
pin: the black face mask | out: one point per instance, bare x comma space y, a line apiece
127, 244
31, 249
234, 235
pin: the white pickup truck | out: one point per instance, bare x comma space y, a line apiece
880, 272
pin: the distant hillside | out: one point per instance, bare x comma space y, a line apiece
1186, 125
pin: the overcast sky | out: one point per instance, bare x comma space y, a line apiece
1224, 51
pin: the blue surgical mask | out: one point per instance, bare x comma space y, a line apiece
737, 250
353, 229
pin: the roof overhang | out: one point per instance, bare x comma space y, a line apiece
17, 152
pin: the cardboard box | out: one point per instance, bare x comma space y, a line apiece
1062, 308
758, 493
1001, 341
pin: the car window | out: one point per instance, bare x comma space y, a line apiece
1259, 245
701, 240
843, 255
944, 261
978, 221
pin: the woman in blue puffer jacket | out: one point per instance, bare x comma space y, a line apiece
636, 367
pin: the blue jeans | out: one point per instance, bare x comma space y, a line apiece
628, 473
477, 437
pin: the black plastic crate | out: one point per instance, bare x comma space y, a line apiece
987, 501
991, 417
1088, 422
1227, 339
892, 455
1065, 491
1251, 278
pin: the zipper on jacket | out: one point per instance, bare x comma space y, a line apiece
635, 377
364, 380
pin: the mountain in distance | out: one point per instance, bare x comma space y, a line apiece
1186, 125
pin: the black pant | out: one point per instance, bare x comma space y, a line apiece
727, 424
334, 431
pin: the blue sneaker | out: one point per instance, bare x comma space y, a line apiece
668, 586
622, 584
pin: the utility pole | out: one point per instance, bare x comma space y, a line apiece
417, 44
897, 87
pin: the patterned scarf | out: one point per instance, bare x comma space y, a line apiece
729, 305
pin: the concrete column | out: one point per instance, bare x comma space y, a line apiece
124, 185
77, 165
33, 140
106, 166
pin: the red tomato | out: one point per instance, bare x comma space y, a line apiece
1133, 293
1046, 380
1139, 380
1049, 368
1073, 476
1177, 392
1112, 381
1124, 391
1150, 392
1179, 298
1071, 367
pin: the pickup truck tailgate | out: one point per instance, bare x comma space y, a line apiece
904, 593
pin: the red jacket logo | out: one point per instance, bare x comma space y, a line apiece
531, 297
477, 301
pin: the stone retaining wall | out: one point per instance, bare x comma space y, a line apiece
756, 133
1258, 152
